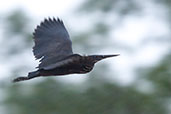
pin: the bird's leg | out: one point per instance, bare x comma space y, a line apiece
18, 79
30, 76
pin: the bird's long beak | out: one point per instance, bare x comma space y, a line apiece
100, 57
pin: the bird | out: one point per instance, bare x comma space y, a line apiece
53, 49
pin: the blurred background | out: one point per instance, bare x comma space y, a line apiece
136, 82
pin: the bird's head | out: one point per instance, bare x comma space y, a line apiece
96, 58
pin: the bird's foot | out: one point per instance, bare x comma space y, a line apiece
20, 79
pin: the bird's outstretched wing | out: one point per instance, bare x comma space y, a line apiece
52, 42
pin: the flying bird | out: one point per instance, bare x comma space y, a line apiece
53, 48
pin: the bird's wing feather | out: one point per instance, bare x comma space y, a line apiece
52, 42
68, 60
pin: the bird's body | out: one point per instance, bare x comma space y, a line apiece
54, 49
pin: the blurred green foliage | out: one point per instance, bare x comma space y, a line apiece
122, 7
53, 97
96, 95
17, 23
160, 77
16, 32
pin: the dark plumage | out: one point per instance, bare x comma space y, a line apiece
54, 49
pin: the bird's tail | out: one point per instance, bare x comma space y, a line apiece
30, 76
97, 58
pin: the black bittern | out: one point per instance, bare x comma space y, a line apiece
54, 49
